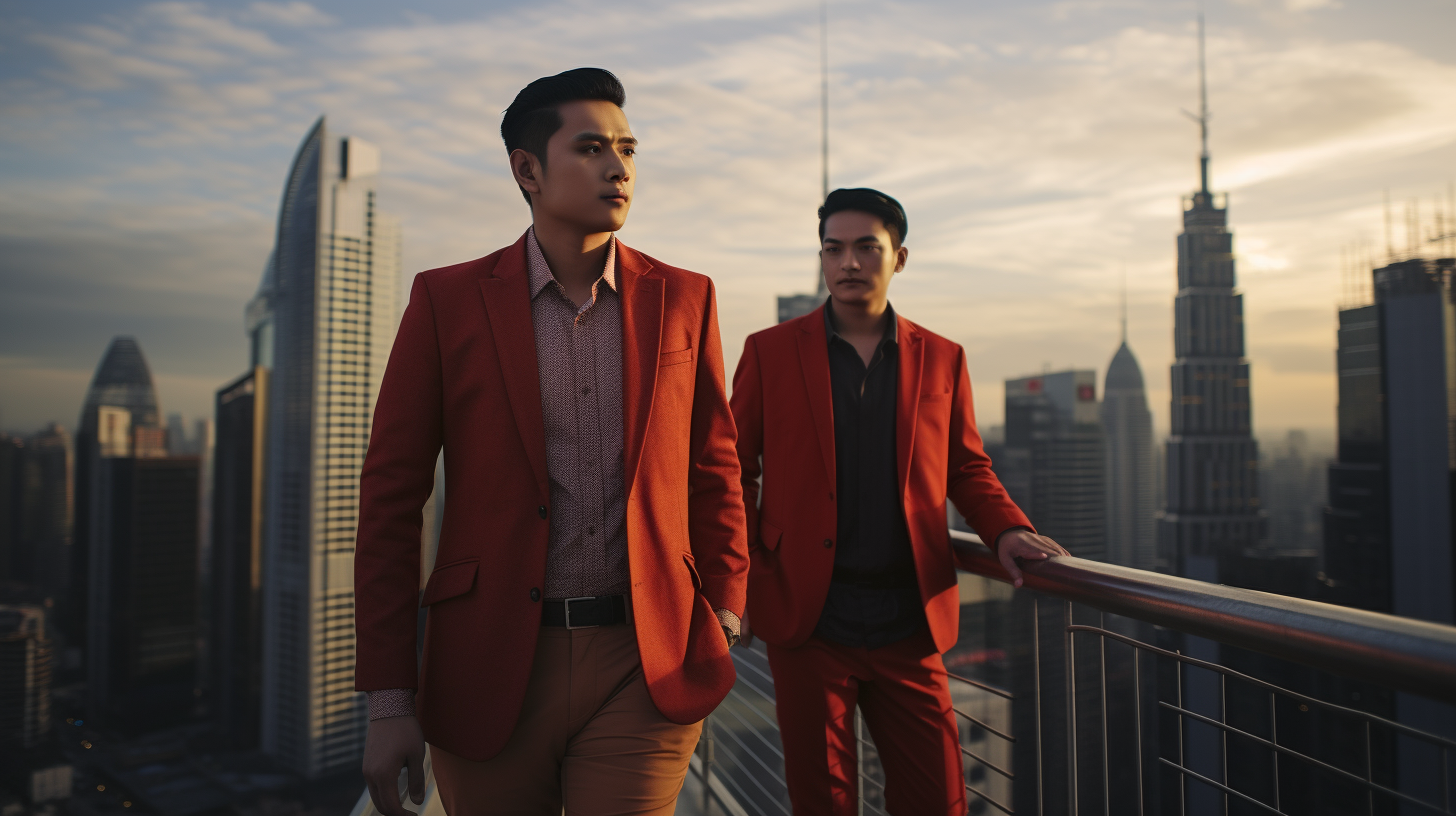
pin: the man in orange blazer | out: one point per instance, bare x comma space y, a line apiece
861, 424
592, 563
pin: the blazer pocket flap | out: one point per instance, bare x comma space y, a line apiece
693, 571
450, 581
770, 535
931, 397
668, 358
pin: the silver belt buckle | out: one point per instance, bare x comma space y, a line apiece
568, 612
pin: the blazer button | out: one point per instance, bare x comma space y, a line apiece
828, 544
535, 594
541, 511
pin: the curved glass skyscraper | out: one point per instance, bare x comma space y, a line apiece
323, 320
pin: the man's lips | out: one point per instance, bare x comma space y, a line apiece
622, 197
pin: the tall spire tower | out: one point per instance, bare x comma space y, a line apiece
1212, 467
792, 306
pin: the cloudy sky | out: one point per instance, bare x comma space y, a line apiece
1038, 147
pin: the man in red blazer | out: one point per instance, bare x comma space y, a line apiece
592, 563
861, 424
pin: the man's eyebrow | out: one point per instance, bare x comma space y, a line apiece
588, 136
874, 239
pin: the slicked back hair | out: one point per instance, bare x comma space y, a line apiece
865, 200
534, 116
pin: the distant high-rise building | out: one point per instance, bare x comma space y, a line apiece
1053, 463
25, 676
1389, 526
235, 601
12, 480
123, 384
323, 321
1388, 530
1127, 426
141, 647
1212, 468
1292, 484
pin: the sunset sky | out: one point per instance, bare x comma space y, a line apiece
1038, 147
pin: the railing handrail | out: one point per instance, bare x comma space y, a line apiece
1400, 653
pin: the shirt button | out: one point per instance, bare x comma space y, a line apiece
831, 497
541, 511
828, 544
535, 594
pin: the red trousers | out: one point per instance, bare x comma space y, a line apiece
903, 695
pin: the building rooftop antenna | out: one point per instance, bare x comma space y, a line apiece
1202, 117
822, 289
1124, 305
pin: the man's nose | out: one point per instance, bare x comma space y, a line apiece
616, 169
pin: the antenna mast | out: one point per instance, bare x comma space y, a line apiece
824, 96
1202, 117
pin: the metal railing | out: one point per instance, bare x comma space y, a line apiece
1139, 692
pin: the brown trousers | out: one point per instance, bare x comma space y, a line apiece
589, 738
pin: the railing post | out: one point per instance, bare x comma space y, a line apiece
859, 757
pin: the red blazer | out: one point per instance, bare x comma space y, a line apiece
463, 375
784, 410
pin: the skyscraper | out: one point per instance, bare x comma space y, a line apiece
1053, 461
1389, 528
123, 383
235, 602
1212, 472
25, 676
141, 647
1128, 428
323, 321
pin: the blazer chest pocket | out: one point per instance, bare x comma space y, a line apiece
450, 581
672, 358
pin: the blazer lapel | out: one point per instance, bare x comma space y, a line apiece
507, 295
912, 359
642, 304
814, 361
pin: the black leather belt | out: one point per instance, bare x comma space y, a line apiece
578, 613
902, 577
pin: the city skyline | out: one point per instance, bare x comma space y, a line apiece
1039, 151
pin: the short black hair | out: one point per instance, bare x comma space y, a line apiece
865, 200
535, 115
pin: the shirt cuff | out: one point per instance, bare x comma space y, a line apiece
391, 703
729, 621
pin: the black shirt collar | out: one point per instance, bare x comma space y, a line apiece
892, 327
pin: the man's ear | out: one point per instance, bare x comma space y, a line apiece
527, 170
901, 256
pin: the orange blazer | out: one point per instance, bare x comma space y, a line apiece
784, 410
463, 375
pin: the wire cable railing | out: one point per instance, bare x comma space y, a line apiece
1127, 663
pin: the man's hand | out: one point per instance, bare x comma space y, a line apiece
1026, 545
394, 743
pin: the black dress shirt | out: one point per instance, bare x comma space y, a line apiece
874, 599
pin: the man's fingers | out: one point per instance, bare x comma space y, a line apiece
1009, 562
417, 778
387, 796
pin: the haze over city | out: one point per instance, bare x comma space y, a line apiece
1039, 149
